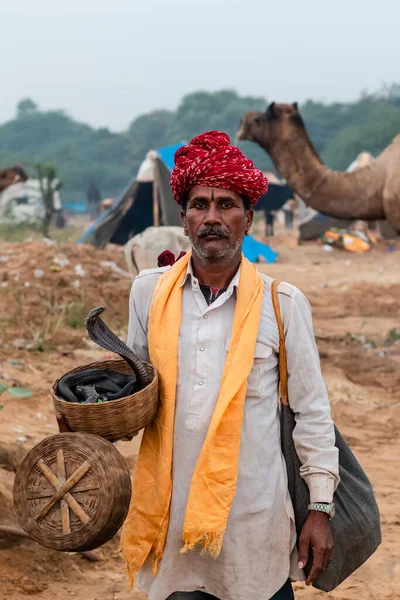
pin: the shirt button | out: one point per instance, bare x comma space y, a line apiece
201, 349
205, 316
200, 383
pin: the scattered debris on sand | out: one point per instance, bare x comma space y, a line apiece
47, 290
356, 313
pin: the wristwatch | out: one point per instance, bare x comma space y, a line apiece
329, 509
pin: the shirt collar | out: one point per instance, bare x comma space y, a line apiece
189, 273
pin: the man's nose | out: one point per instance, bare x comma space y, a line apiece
212, 215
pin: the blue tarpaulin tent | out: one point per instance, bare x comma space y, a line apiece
167, 154
256, 251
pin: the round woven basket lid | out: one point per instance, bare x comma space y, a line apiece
72, 492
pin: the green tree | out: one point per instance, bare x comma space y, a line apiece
26, 107
151, 131
49, 184
338, 130
392, 93
371, 137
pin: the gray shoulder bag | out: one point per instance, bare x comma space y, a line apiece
356, 526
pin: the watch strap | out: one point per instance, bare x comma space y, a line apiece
328, 509
322, 507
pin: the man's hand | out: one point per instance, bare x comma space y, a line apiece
316, 534
63, 426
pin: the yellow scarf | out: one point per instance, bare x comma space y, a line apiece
214, 480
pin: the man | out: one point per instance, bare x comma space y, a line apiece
288, 210
269, 220
210, 511
93, 196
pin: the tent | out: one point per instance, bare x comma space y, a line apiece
146, 201
275, 198
313, 224
22, 202
256, 251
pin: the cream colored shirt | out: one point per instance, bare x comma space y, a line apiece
258, 552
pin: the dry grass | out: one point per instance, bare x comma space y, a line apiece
45, 337
22, 232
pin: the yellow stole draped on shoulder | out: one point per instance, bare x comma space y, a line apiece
214, 479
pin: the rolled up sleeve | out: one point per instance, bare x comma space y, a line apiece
314, 435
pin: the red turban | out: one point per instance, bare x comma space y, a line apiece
210, 160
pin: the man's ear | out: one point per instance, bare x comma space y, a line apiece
249, 219
184, 221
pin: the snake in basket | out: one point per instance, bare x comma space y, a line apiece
94, 385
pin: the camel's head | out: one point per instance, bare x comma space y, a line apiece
266, 127
12, 175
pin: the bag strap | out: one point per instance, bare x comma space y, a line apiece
283, 374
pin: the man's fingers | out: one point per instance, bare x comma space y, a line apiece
316, 569
304, 545
317, 534
62, 423
327, 556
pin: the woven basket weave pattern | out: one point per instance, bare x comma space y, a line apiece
114, 419
102, 493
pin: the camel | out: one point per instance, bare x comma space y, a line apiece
142, 251
369, 193
10, 176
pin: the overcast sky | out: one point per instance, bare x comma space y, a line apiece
107, 61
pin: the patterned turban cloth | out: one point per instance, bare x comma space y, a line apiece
210, 160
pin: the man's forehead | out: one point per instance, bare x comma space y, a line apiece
211, 193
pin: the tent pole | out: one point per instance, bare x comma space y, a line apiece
156, 222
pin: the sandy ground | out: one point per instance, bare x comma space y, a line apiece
355, 300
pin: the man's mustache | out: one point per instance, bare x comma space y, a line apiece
213, 230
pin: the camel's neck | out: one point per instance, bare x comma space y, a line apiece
339, 195
297, 161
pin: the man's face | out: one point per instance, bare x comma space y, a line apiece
216, 222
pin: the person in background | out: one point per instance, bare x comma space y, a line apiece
93, 199
269, 221
288, 210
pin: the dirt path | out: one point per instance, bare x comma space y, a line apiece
356, 308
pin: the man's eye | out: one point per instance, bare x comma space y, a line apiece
199, 205
227, 204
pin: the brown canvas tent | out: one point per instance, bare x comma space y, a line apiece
146, 201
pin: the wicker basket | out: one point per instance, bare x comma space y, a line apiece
115, 419
72, 492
